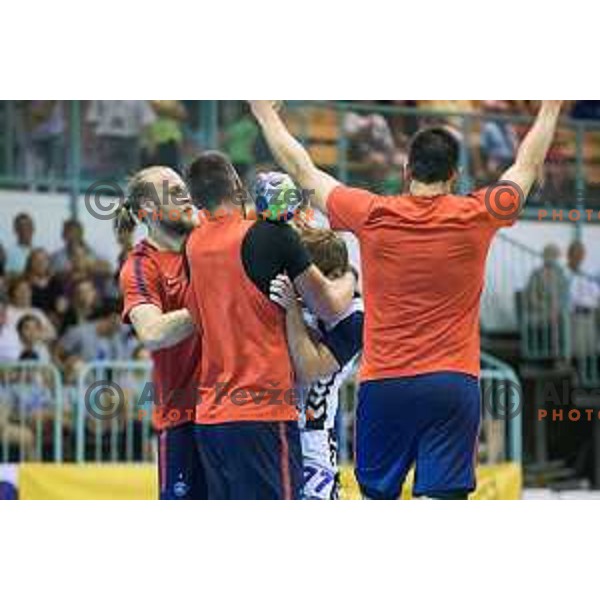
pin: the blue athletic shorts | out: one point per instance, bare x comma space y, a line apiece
180, 471
251, 460
430, 421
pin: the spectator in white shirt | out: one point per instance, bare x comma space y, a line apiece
10, 345
20, 298
29, 328
18, 253
584, 291
584, 296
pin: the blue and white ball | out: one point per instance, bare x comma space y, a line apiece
277, 197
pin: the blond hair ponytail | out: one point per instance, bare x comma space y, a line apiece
125, 220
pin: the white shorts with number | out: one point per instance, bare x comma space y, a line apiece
319, 454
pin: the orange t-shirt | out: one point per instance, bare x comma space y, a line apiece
423, 265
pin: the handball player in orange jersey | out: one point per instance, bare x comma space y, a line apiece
154, 285
423, 258
247, 415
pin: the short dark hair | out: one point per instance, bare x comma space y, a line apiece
72, 223
211, 179
26, 319
433, 155
14, 283
22, 216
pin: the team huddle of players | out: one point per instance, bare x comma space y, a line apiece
254, 324
216, 297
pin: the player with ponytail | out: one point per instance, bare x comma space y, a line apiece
154, 285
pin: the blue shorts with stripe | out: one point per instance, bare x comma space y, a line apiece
180, 470
430, 421
251, 460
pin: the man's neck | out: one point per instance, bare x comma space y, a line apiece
165, 242
227, 208
429, 190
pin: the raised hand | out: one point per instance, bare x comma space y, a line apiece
555, 105
262, 108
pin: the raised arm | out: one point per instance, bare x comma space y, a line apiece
158, 330
534, 147
291, 155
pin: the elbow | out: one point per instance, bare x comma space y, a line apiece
151, 339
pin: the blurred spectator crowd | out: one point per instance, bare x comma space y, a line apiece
118, 136
58, 311
115, 136
378, 143
561, 306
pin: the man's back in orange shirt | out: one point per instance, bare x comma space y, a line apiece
423, 260
423, 264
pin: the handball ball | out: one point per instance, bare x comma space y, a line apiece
277, 198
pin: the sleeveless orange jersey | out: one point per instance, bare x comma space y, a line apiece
246, 372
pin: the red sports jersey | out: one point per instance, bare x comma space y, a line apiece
423, 264
152, 276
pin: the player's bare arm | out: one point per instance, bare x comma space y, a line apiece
291, 155
534, 147
326, 298
311, 359
158, 330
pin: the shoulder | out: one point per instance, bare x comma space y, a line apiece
344, 336
272, 228
350, 208
344, 195
141, 262
354, 313
275, 234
